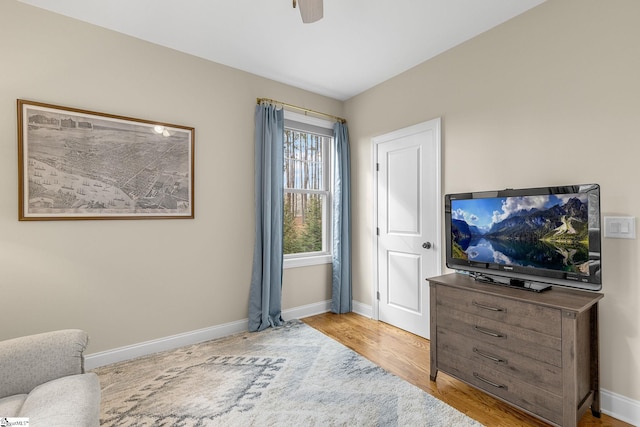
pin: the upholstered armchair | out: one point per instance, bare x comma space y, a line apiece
42, 378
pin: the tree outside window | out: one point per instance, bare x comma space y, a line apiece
306, 194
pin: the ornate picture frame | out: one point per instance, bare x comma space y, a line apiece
77, 165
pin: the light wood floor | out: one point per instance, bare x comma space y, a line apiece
407, 356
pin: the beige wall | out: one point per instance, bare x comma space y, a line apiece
131, 281
551, 97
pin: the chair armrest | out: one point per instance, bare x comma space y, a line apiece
29, 361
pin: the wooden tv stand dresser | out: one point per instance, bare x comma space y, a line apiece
535, 351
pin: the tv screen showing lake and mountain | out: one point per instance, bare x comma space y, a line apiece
543, 231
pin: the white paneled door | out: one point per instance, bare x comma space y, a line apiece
408, 199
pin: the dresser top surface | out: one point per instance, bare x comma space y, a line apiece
557, 297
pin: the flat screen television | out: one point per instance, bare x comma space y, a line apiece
527, 238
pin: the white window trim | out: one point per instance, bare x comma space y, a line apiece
315, 258
315, 121
295, 260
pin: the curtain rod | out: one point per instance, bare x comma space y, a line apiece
305, 110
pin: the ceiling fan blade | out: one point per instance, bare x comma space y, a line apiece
310, 10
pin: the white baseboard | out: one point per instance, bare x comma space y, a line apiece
306, 310
324, 307
620, 407
363, 309
612, 404
146, 348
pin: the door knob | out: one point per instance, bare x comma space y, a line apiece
426, 245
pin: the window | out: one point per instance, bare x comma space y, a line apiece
307, 190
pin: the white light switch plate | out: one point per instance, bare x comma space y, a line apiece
620, 227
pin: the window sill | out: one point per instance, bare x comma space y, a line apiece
305, 261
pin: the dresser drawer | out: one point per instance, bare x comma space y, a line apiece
525, 395
529, 343
525, 315
546, 376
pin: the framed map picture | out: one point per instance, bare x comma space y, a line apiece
75, 164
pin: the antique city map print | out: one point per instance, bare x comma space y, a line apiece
83, 165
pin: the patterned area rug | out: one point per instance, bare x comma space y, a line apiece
288, 376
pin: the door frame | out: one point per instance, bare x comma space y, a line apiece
434, 124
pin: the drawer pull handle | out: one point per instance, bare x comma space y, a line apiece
491, 383
488, 307
488, 332
488, 356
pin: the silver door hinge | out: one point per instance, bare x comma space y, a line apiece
377, 167
377, 231
378, 295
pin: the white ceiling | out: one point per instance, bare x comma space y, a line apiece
357, 45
